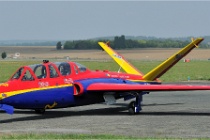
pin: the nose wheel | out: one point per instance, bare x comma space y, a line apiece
135, 106
40, 111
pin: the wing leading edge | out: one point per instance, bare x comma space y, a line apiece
137, 87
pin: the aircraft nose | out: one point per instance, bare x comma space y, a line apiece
9, 109
4, 88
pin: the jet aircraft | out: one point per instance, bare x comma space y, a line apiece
52, 85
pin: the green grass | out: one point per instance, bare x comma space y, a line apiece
195, 70
49, 136
62, 136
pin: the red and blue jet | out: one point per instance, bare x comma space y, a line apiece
67, 84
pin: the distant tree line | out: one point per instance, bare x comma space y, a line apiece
27, 43
120, 42
81, 44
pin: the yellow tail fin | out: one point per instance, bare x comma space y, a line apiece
157, 71
126, 66
166, 65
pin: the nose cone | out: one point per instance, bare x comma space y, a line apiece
4, 89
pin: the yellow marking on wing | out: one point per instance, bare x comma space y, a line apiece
127, 67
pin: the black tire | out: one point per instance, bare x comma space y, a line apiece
131, 108
40, 111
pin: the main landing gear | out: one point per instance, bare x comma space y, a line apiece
135, 106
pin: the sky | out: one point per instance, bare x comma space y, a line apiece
74, 20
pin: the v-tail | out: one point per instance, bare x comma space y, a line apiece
157, 71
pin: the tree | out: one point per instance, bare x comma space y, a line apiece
58, 45
3, 55
119, 42
69, 45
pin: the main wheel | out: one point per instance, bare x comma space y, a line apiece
131, 108
40, 111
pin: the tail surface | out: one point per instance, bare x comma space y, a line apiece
126, 66
167, 64
157, 71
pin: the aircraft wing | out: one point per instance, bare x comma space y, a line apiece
107, 87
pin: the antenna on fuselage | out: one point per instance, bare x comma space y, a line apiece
120, 68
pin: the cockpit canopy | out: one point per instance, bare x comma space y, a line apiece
48, 70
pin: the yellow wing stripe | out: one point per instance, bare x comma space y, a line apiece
166, 65
126, 66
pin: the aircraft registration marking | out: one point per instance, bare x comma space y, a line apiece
117, 56
43, 84
68, 81
118, 76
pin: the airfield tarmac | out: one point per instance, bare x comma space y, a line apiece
165, 114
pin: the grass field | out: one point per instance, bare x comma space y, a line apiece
63, 136
49, 136
143, 59
194, 70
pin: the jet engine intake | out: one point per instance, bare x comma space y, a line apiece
78, 89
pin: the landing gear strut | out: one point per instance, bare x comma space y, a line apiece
135, 106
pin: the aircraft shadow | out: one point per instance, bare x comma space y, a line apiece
64, 113
175, 113
114, 111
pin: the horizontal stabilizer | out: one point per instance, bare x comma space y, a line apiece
9, 109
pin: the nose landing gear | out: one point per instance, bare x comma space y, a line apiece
40, 111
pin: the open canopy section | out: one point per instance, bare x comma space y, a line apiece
48, 70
